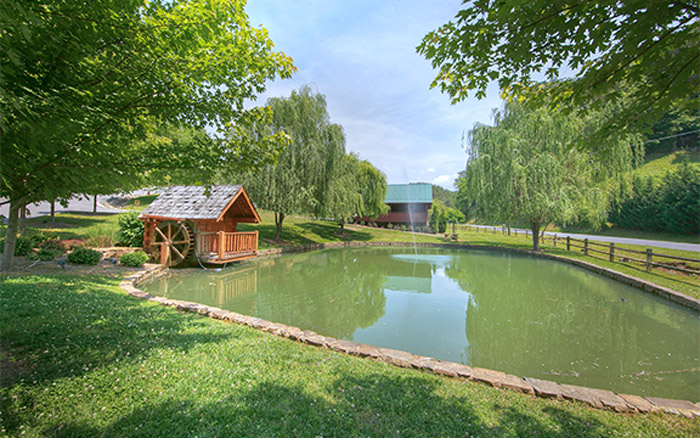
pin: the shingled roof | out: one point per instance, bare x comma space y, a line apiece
191, 202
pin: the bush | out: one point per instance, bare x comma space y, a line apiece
37, 237
671, 204
134, 259
22, 247
50, 249
85, 256
130, 229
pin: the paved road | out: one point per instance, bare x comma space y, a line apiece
630, 241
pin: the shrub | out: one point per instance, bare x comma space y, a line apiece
22, 246
100, 241
50, 249
134, 259
85, 256
37, 237
130, 229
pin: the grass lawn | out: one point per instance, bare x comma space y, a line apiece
299, 231
81, 358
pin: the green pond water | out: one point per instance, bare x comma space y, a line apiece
519, 314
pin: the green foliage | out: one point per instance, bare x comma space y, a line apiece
437, 216
84, 256
50, 249
527, 168
649, 46
87, 85
371, 184
133, 259
314, 175
448, 197
671, 205
23, 246
130, 229
678, 128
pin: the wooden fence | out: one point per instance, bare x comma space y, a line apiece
614, 253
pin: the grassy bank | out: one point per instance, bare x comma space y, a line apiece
81, 358
300, 231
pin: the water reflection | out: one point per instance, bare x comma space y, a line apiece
523, 315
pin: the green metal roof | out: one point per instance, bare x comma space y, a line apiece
417, 192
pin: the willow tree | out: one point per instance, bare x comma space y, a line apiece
302, 179
82, 82
371, 185
527, 167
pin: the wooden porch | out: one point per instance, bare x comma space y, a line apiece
225, 246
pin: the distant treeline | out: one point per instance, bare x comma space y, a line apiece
671, 204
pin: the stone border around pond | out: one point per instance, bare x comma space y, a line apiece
596, 398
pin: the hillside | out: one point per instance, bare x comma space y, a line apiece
657, 164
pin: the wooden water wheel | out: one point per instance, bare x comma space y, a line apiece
172, 242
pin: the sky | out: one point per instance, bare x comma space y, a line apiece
362, 56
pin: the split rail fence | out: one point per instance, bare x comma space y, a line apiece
614, 253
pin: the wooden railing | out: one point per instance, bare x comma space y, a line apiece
614, 253
225, 245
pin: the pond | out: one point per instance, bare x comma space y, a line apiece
515, 313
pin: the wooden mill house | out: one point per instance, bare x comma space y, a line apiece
187, 221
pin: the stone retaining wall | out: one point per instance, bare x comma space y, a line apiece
597, 398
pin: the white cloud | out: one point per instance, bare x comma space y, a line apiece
442, 180
430, 170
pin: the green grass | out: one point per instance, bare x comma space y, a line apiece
634, 234
78, 225
81, 358
686, 284
300, 231
656, 165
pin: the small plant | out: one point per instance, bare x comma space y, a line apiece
100, 241
23, 246
37, 237
85, 256
134, 259
49, 250
130, 229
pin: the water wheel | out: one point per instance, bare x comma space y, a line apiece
172, 242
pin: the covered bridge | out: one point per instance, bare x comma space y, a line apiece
187, 221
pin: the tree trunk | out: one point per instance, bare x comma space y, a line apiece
94, 204
22, 219
11, 236
342, 226
535, 227
279, 217
53, 211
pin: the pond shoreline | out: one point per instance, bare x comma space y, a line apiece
597, 398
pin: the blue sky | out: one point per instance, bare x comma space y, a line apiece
361, 55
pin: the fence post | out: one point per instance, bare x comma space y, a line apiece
612, 252
585, 246
516, 232
222, 244
568, 243
649, 254
555, 240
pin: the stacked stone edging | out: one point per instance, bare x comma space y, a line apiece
596, 398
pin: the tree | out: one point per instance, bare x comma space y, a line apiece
448, 197
528, 167
371, 184
303, 179
81, 81
437, 216
650, 48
